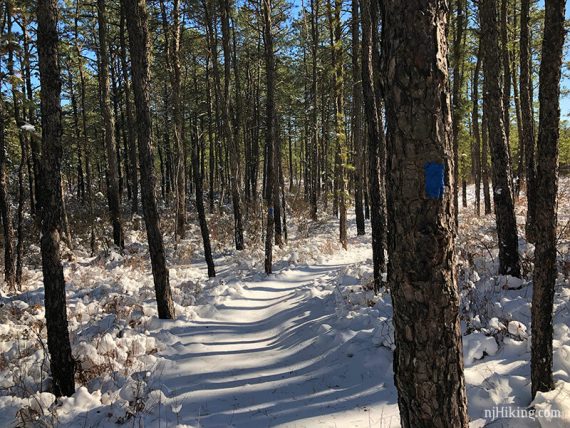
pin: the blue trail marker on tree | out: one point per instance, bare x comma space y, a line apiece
434, 180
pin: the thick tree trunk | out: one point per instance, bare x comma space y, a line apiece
527, 134
376, 140
422, 275
139, 49
502, 193
109, 122
62, 363
546, 196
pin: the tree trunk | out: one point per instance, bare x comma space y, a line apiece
172, 41
476, 152
527, 135
485, 162
506, 66
270, 135
457, 97
5, 211
109, 122
62, 363
502, 194
139, 49
357, 139
9, 265
205, 231
546, 194
376, 140
131, 134
423, 279
314, 155
231, 142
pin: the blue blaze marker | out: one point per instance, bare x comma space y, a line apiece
270, 211
435, 179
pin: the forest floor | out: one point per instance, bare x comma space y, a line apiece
307, 346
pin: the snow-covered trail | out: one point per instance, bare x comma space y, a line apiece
272, 352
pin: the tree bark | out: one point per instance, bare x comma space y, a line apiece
62, 363
502, 193
139, 49
546, 194
428, 367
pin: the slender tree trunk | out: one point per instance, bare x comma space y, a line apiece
476, 133
314, 156
357, 102
205, 231
112, 174
276, 192
506, 66
423, 279
527, 135
131, 133
5, 211
232, 143
62, 363
502, 195
521, 159
9, 265
457, 97
172, 41
139, 49
339, 205
376, 140
485, 162
32, 170
270, 135
546, 194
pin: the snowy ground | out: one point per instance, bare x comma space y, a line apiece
306, 346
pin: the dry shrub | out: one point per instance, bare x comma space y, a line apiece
329, 247
137, 262
221, 229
